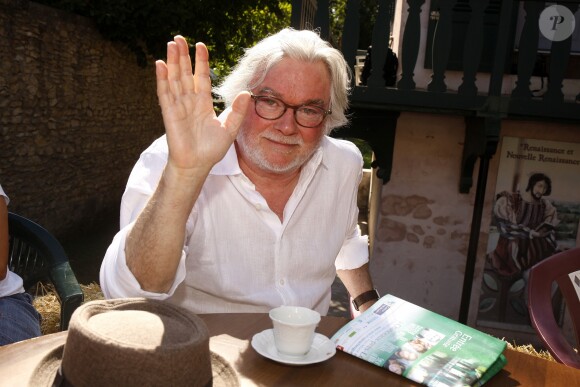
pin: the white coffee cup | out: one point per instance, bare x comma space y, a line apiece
294, 328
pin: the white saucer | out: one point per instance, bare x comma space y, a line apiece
321, 350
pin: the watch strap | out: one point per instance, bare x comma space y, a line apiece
365, 297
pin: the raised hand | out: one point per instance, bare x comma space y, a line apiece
197, 139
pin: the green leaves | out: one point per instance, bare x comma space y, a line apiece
145, 26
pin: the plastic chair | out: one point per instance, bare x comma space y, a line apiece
560, 268
36, 255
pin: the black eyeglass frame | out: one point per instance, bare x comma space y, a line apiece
256, 98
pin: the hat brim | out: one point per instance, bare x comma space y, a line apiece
46, 372
223, 372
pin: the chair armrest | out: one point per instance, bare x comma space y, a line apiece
68, 291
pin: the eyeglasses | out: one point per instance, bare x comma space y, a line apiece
271, 108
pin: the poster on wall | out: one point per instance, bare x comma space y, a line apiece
536, 213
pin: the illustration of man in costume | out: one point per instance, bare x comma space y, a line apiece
526, 223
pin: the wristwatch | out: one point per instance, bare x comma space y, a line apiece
365, 297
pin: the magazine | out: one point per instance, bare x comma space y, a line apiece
421, 345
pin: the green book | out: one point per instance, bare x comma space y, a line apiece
421, 345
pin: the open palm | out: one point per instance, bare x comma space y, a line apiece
196, 137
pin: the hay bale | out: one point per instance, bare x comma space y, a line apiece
530, 350
48, 305
92, 292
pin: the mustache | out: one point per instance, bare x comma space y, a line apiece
289, 140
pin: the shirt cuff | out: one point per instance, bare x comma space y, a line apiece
117, 281
353, 254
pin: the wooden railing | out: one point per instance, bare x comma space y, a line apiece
467, 99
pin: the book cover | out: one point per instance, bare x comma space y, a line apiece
421, 345
535, 214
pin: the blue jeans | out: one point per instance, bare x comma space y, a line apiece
19, 320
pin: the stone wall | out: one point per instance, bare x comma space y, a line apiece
75, 112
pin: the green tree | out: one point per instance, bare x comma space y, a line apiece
244, 29
227, 26
337, 11
367, 13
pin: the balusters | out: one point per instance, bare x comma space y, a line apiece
381, 34
350, 34
473, 47
322, 19
441, 46
410, 50
559, 55
502, 46
528, 47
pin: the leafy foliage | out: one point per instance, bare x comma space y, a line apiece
367, 9
337, 11
226, 26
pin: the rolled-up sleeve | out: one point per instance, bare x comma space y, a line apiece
354, 252
116, 280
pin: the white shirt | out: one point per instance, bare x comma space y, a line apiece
12, 283
238, 255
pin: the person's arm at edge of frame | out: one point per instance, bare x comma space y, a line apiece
3, 238
197, 140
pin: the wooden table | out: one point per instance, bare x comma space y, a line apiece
231, 335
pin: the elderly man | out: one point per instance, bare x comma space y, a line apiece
255, 208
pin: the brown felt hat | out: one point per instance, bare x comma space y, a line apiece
134, 342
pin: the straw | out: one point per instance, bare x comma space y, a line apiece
48, 305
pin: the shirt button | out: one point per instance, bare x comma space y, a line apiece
258, 206
282, 282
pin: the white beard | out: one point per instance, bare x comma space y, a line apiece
252, 150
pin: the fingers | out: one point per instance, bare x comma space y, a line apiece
178, 71
175, 80
201, 75
237, 114
173, 68
240, 103
184, 61
163, 91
